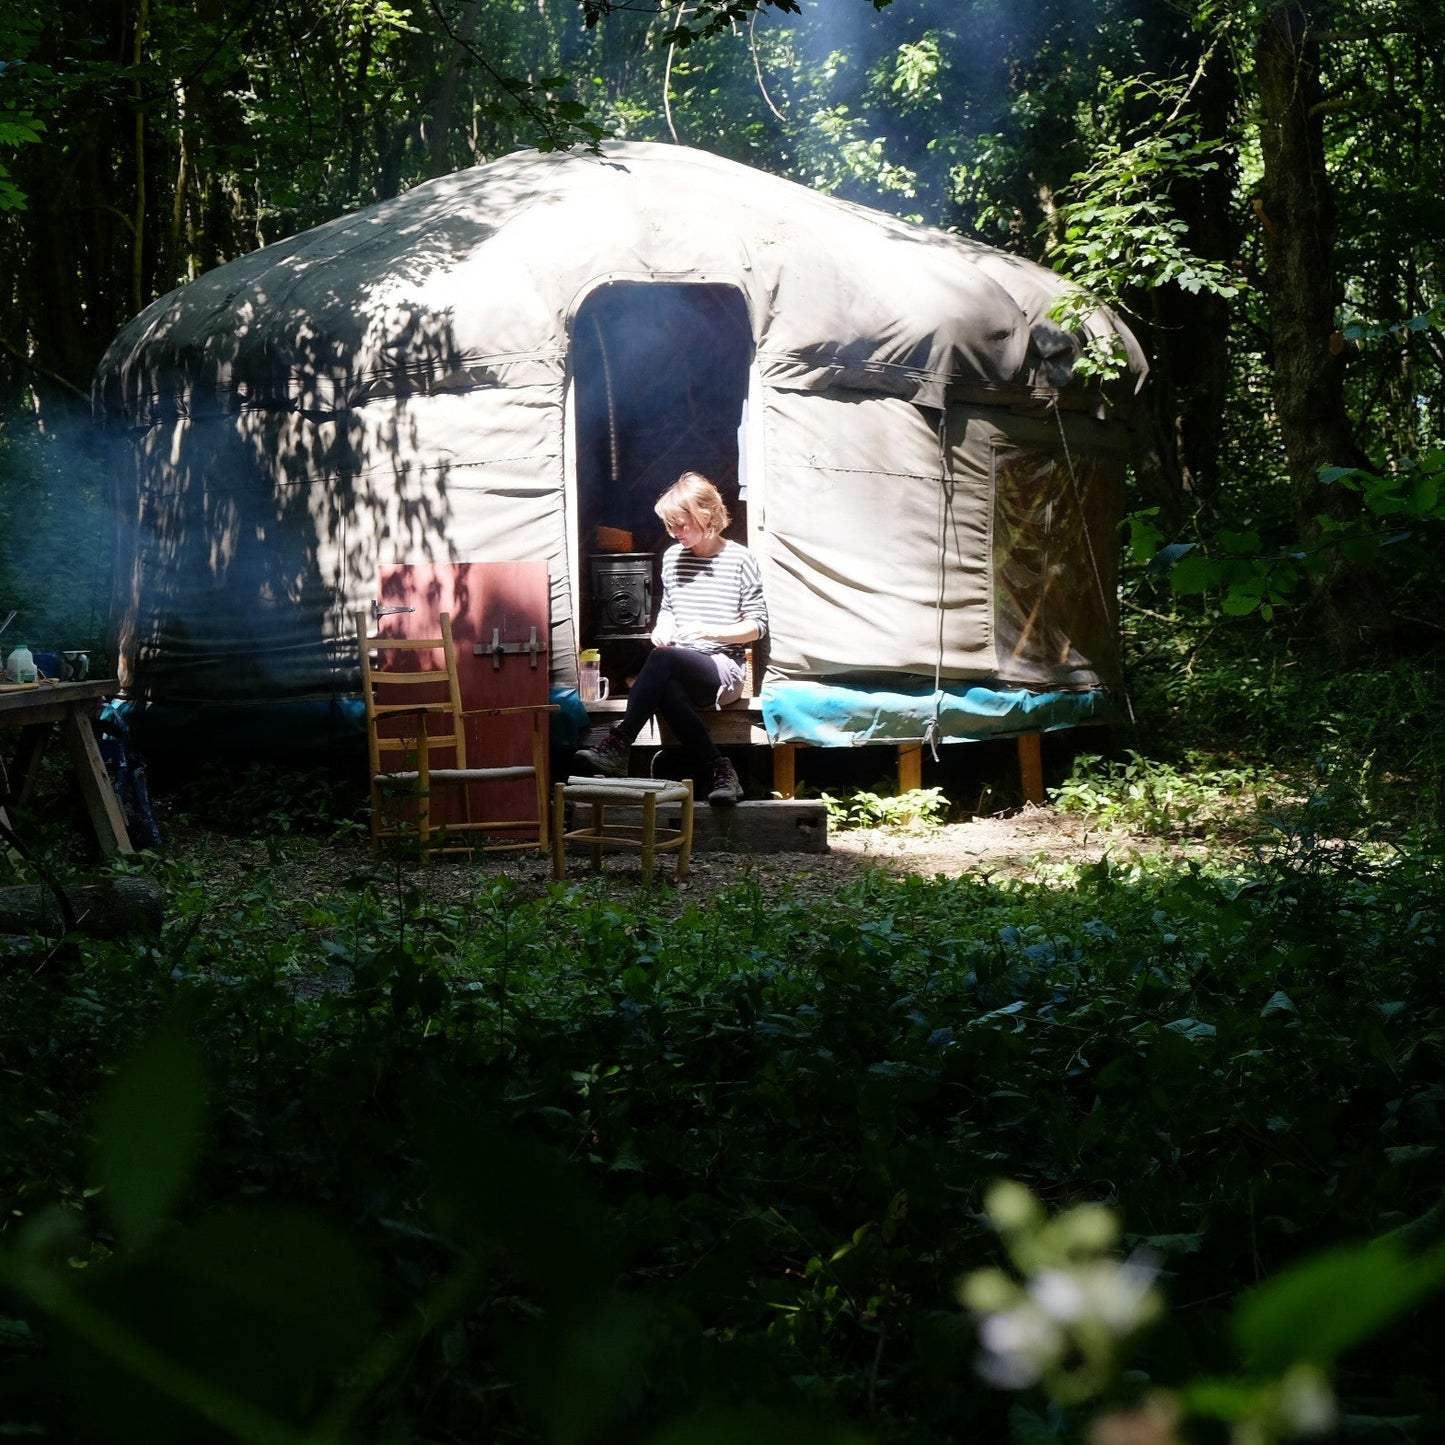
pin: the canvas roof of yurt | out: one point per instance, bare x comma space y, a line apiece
470, 280
400, 374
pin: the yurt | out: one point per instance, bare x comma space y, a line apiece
512, 362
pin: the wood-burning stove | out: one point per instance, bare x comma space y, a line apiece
621, 595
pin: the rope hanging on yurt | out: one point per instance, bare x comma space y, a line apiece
946, 484
1077, 495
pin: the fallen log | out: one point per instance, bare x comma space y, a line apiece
116, 908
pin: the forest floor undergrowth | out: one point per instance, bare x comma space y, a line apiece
1027, 843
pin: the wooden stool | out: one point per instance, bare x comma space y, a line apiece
602, 832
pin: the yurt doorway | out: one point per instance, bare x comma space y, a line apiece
660, 383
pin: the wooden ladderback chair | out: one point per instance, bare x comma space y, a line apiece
423, 783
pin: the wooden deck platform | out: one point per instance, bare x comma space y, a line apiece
741, 725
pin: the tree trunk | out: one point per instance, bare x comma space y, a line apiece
1296, 208
439, 128
118, 908
1187, 335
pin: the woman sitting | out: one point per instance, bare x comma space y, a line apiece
712, 608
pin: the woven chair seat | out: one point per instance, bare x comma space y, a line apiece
638, 828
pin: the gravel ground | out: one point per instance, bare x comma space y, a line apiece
1016, 845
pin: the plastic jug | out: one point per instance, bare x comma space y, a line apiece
21, 664
590, 683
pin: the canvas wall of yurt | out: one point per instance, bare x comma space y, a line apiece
512, 362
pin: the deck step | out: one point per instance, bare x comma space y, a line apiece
768, 825
774, 825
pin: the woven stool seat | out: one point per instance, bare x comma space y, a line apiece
638, 828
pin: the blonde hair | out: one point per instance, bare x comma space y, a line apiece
693, 496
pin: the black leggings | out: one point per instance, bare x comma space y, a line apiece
673, 684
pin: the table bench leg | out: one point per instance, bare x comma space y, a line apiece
101, 804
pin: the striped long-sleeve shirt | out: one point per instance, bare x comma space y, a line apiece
706, 593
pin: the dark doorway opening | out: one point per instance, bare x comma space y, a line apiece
660, 376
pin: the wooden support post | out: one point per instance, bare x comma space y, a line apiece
910, 767
785, 776
1031, 767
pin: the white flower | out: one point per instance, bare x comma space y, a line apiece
1306, 1402
1022, 1344
1117, 1296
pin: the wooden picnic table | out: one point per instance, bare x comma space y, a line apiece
33, 710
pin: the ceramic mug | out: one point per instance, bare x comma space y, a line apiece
74, 666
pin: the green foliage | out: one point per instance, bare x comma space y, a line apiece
1246, 579
268, 800
1116, 230
859, 808
1159, 797
1065, 1325
1397, 529
1358, 746
567, 1163
19, 126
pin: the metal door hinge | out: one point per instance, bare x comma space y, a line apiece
497, 649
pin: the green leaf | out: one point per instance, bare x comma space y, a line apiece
1172, 1243
1279, 1003
1192, 1029
1194, 574
149, 1130
1330, 1303
1409, 1153
758, 1426
17, 130
249, 1311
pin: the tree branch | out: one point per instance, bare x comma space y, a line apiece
758, 67
1371, 32
25, 360
556, 131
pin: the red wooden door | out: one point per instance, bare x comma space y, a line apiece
504, 607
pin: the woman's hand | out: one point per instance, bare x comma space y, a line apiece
664, 631
736, 635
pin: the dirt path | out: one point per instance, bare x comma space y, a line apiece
1016, 845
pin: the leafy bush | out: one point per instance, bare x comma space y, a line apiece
1065, 1319
586, 1167
268, 800
1159, 797
859, 808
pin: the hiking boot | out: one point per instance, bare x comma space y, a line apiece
725, 790
607, 756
